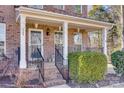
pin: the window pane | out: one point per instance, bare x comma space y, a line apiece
36, 6
2, 38
58, 38
78, 39
77, 9
35, 37
59, 6
35, 51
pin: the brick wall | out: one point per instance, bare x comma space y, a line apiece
69, 10
12, 29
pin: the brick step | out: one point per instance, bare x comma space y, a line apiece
54, 82
53, 76
51, 72
49, 63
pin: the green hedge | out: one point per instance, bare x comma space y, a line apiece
87, 66
118, 62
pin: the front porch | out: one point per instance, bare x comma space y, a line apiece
49, 37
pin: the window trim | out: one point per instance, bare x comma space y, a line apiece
81, 9
4, 24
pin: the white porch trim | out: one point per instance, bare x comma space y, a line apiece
23, 63
29, 13
41, 14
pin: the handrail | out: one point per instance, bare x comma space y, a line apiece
40, 54
59, 53
42, 65
61, 67
77, 49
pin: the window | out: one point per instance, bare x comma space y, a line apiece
36, 6
61, 7
94, 38
78, 9
2, 38
58, 38
78, 39
35, 44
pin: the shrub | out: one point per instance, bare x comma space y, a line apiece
87, 66
118, 62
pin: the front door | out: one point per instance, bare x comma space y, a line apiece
35, 44
58, 45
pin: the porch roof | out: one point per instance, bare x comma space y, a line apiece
47, 15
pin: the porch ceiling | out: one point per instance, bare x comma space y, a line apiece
57, 24
45, 17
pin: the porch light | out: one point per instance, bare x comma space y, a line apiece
47, 31
60, 28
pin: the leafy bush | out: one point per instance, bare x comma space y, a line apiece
87, 66
118, 62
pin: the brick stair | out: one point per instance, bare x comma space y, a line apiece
52, 76
54, 82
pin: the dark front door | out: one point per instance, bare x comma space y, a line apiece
58, 46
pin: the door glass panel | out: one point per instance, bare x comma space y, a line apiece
59, 46
58, 38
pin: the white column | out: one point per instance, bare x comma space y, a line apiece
65, 43
23, 63
122, 27
104, 41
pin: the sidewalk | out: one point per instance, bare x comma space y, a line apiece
61, 86
110, 69
119, 85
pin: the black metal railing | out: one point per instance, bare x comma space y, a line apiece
41, 66
37, 61
80, 48
59, 59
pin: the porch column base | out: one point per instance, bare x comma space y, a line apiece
65, 62
23, 64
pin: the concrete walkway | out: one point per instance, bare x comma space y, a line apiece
61, 86
110, 69
119, 85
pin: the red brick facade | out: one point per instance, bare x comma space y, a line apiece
12, 29
8, 16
